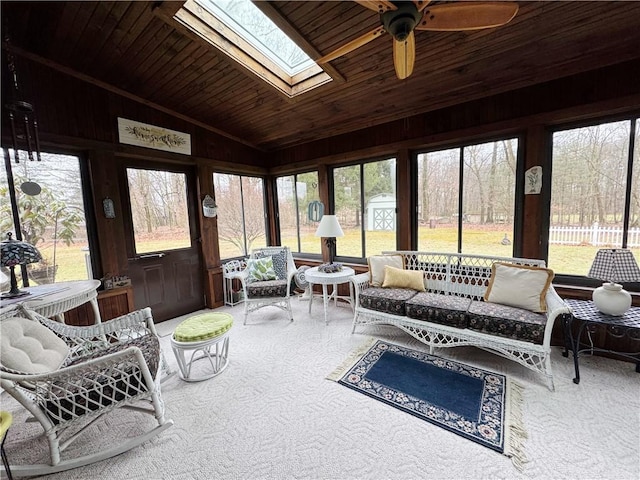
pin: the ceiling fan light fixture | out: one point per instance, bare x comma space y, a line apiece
401, 22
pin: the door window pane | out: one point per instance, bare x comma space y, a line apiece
241, 214
159, 210
588, 195
53, 220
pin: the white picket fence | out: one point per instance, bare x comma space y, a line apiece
594, 235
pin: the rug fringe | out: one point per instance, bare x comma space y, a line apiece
351, 360
515, 432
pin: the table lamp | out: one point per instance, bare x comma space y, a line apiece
15, 252
612, 266
329, 228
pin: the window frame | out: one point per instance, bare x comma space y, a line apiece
518, 207
88, 204
634, 119
331, 190
276, 208
267, 230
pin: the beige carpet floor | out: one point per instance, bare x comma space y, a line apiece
273, 415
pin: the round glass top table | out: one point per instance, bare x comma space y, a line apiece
314, 277
52, 300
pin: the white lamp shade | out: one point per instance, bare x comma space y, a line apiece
329, 227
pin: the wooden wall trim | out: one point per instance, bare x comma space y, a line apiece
535, 141
123, 93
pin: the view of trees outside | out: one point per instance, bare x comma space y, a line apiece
589, 193
159, 210
295, 193
488, 198
241, 214
379, 225
53, 220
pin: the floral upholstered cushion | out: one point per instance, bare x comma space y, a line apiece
388, 300
260, 269
443, 309
505, 321
269, 288
279, 260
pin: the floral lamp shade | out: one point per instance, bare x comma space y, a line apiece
15, 252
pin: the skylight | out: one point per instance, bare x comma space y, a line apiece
258, 29
242, 31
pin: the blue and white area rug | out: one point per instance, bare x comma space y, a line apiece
476, 404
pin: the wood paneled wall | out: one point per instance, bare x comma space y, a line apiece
80, 116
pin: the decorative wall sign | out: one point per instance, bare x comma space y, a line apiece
150, 136
533, 181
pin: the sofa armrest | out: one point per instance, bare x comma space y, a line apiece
555, 307
360, 282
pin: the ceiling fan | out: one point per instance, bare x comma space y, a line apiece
400, 19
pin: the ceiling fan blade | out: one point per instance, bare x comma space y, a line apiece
377, 6
421, 4
467, 16
352, 45
404, 56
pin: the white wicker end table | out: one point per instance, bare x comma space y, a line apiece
314, 277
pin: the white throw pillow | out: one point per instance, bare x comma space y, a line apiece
29, 347
519, 286
377, 264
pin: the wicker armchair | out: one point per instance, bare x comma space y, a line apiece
104, 367
274, 288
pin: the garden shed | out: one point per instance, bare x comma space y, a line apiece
381, 212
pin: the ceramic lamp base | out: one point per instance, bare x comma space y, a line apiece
611, 299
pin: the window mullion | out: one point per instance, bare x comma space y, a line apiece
627, 197
460, 199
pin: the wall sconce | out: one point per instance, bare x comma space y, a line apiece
209, 207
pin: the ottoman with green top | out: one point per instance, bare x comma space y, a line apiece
199, 334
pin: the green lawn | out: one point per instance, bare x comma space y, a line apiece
574, 260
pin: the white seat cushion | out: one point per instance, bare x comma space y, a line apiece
29, 347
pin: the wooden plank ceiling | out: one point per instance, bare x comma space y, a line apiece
128, 46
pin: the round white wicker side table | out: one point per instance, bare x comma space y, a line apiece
207, 334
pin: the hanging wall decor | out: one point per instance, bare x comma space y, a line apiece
316, 210
533, 181
150, 136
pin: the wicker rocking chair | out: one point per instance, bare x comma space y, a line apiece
272, 285
100, 368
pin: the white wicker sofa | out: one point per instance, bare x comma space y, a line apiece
452, 311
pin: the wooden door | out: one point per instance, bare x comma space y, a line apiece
164, 257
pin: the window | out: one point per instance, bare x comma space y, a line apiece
240, 29
158, 210
595, 194
295, 194
241, 214
466, 198
364, 197
52, 220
